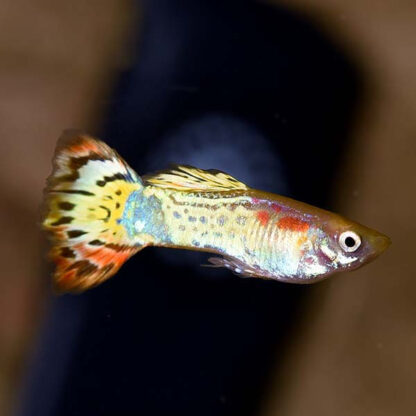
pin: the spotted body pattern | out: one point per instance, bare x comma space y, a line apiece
231, 224
100, 213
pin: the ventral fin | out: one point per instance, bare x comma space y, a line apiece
181, 177
236, 266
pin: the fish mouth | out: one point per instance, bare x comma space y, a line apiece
380, 243
377, 244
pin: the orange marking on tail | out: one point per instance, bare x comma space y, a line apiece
84, 145
263, 217
103, 255
293, 224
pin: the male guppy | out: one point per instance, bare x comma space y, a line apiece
100, 212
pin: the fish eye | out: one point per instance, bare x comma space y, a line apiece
349, 241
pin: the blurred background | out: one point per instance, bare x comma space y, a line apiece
324, 91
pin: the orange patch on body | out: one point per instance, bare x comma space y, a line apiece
293, 224
263, 217
302, 240
275, 207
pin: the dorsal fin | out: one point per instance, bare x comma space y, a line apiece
183, 177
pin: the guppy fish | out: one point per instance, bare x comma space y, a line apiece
100, 212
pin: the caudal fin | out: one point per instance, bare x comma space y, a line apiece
84, 197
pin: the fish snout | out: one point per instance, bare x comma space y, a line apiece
379, 243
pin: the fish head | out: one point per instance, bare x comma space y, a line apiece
340, 245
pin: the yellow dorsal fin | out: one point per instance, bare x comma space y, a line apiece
182, 178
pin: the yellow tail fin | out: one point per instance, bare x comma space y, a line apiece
84, 197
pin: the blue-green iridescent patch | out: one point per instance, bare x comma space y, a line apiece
144, 215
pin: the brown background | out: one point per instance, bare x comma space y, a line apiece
355, 352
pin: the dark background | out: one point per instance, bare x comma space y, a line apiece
269, 96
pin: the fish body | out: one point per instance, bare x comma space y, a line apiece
112, 213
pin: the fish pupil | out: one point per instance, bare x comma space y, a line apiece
349, 242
